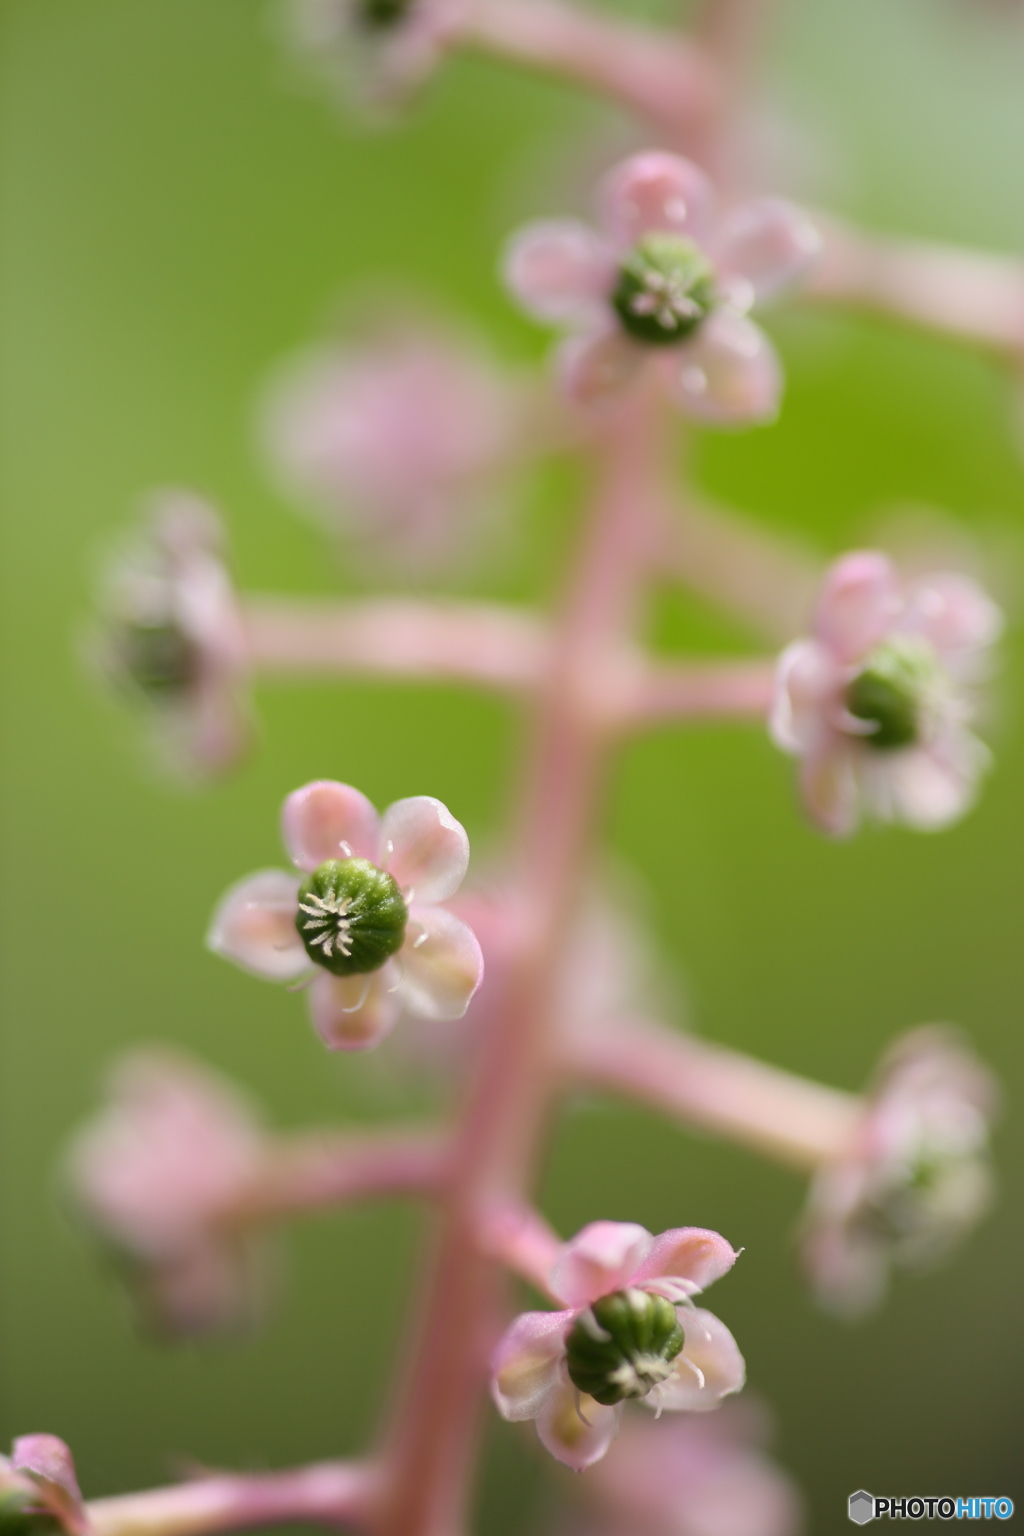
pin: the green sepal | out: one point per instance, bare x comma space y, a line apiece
364, 916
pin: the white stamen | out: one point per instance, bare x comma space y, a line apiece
346, 848
418, 943
579, 1408
362, 998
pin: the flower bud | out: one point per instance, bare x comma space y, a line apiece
351, 916
623, 1345
665, 289
888, 693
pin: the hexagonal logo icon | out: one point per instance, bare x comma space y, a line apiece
862, 1507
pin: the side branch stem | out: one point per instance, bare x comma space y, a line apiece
326, 1493
795, 1121
318, 1171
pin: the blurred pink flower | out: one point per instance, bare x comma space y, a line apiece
172, 639
667, 284
542, 1353
377, 50
368, 926
916, 1177
155, 1173
694, 1477
39, 1488
395, 439
876, 704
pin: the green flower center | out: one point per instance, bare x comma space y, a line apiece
623, 1346
381, 14
159, 658
666, 287
351, 916
889, 692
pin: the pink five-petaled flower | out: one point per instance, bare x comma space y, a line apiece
379, 49
630, 1330
154, 1175
877, 703
694, 1477
916, 1176
366, 925
395, 438
171, 638
667, 285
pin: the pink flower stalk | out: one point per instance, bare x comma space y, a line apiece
666, 286
380, 49
916, 1177
38, 1486
876, 703
172, 637
630, 1330
694, 1477
395, 439
154, 1174
368, 925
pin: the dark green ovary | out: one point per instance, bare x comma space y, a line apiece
380, 14
886, 694
159, 659
351, 917
642, 1336
665, 289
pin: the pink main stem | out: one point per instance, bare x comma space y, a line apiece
433, 1438
327, 1493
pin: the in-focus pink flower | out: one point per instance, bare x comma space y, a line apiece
630, 1330
876, 704
39, 1488
377, 50
694, 1477
367, 925
916, 1178
171, 638
154, 1174
395, 439
666, 285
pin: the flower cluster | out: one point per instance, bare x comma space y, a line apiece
916, 1177
666, 286
156, 1174
366, 923
876, 704
629, 1331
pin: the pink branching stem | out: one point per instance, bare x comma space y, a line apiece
707, 1086
717, 691
334, 1493
433, 1436
323, 1170
518, 1237
730, 34
763, 579
661, 77
401, 637
967, 295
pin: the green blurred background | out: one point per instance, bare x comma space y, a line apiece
177, 213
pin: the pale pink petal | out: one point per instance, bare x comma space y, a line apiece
325, 820
728, 375
953, 613
710, 1352
767, 243
927, 788
694, 1254
574, 1428
656, 192
603, 1257
354, 1013
807, 681
254, 925
49, 1463
441, 964
596, 368
859, 602
429, 852
560, 270
527, 1363
828, 788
